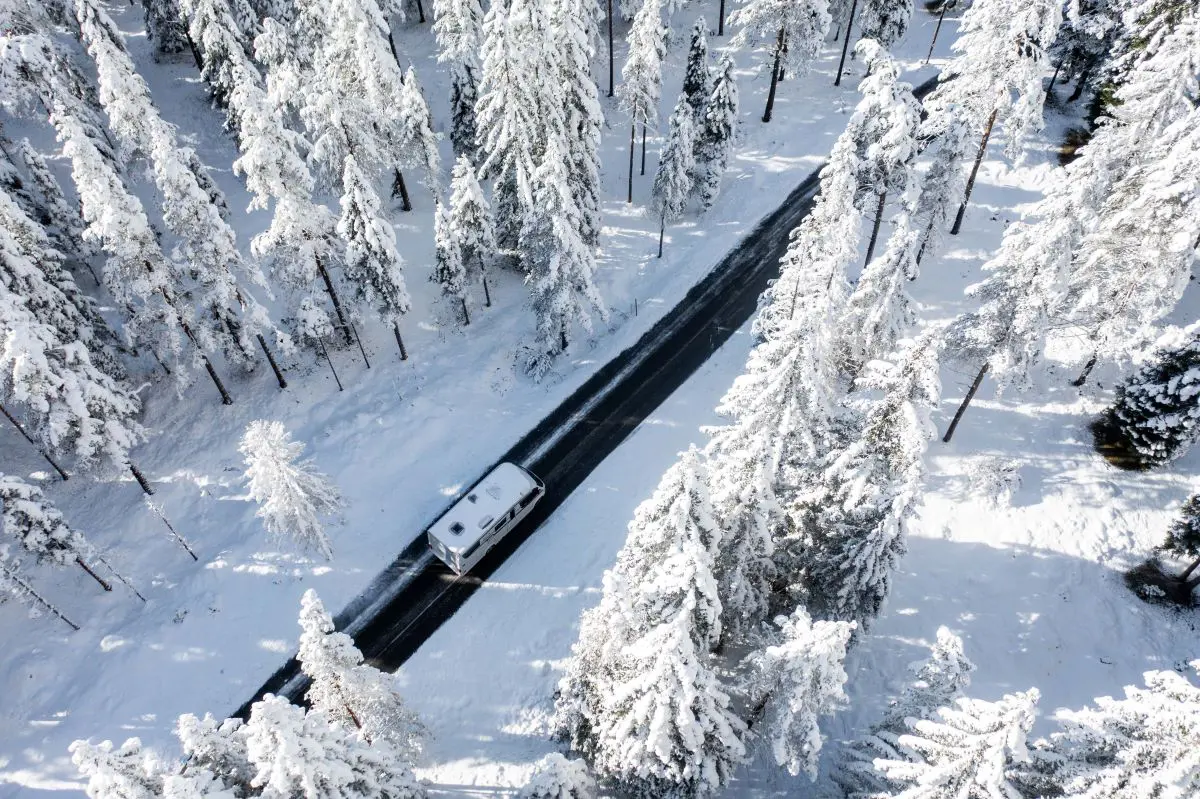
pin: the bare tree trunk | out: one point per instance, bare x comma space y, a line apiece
1081, 85
361, 348
611, 63
1087, 370
400, 341
875, 227
195, 50
1054, 77
837, 81
766, 117
329, 361
399, 187
103, 583
643, 146
962, 209
216, 378
147, 489
662, 227
562, 339
632, 150
966, 401
174, 533
20, 582
1183, 578
392, 44
721, 20
337, 303
487, 295
466, 313
937, 29
262, 342
120, 577
420, 12
34, 444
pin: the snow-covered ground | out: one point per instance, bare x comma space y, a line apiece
1033, 585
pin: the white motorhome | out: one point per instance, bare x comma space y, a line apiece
493, 506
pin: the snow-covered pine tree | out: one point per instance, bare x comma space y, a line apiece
996, 76
292, 496
796, 677
1143, 744
348, 691
869, 488
419, 144
458, 25
165, 27
950, 140
697, 82
879, 311
676, 168
556, 777
966, 752
295, 753
796, 30
573, 29
40, 529
13, 584
217, 747
124, 772
558, 260
884, 126
715, 134
939, 682
885, 21
1155, 415
449, 271
513, 117
471, 225
1183, 538
1085, 40
64, 225
641, 77
372, 264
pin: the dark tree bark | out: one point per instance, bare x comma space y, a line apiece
361, 348
195, 51
1183, 578
392, 44
966, 401
103, 583
662, 228
487, 295
174, 533
400, 341
262, 342
721, 20
875, 228
329, 361
120, 577
38, 598
1082, 85
420, 12
632, 151
562, 339
466, 313
34, 444
1087, 370
337, 303
837, 81
400, 188
937, 29
962, 209
644, 146
216, 378
611, 63
147, 489
774, 77
1054, 77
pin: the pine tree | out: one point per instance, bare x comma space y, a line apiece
641, 77
869, 488
291, 494
556, 777
372, 263
449, 272
164, 27
1183, 538
879, 312
697, 83
349, 692
13, 584
797, 677
470, 222
420, 143
573, 28
885, 21
1143, 744
124, 772
715, 135
1086, 39
64, 225
944, 182
676, 167
1154, 418
39, 528
939, 682
458, 25
967, 751
218, 748
796, 29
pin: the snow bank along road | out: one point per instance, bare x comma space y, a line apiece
416, 593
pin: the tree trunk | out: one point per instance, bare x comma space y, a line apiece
632, 150
400, 188
103, 583
837, 81
937, 29
195, 51
1183, 578
962, 209
662, 228
1054, 77
329, 361
966, 401
400, 341
1081, 86
611, 63
466, 313
20, 582
337, 303
420, 12
487, 295
121, 577
924, 245
875, 228
147, 489
392, 44
721, 20
643, 147
174, 533
216, 378
361, 348
562, 339
774, 77
33, 443
1087, 370
262, 342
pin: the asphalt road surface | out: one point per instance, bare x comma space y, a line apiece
410, 599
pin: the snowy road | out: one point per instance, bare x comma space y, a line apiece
416, 594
